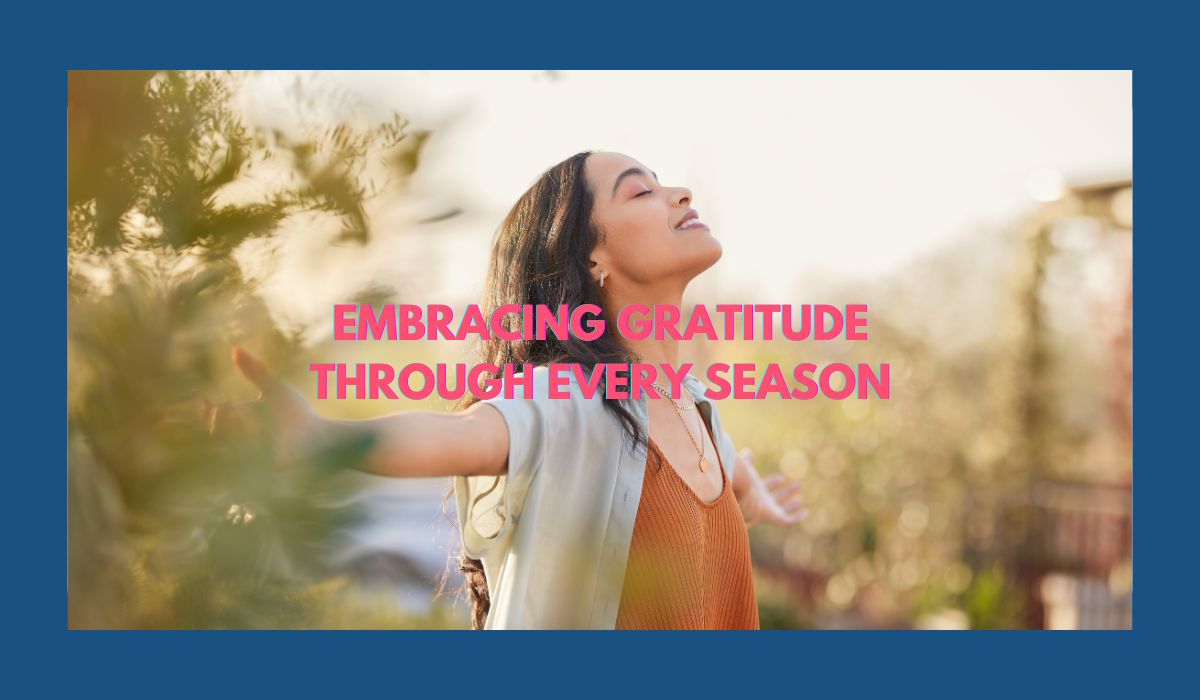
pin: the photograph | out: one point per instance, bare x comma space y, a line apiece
599, 349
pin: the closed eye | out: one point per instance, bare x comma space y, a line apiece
639, 194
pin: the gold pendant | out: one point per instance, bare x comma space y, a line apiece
703, 463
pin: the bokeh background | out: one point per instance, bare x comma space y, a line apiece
984, 217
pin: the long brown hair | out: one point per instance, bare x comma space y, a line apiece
540, 256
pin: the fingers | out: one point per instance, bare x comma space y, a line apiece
784, 508
791, 513
783, 492
254, 370
795, 507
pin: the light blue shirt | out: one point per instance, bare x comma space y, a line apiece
554, 532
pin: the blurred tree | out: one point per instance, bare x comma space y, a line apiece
169, 525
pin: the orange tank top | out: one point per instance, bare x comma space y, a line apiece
689, 561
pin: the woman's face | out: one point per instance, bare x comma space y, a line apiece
645, 240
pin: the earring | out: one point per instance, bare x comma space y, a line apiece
602, 274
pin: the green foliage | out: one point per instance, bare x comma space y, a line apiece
994, 601
171, 525
156, 179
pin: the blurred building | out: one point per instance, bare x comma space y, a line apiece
995, 489
1069, 534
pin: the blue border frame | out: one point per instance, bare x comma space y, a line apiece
614, 35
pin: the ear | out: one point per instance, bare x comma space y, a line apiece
598, 260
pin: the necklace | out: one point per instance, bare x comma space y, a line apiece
699, 449
667, 395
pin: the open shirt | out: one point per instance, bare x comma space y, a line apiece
554, 532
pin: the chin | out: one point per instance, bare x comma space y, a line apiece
706, 256
712, 250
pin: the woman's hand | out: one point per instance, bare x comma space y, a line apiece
291, 425
769, 500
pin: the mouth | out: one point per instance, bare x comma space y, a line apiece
690, 220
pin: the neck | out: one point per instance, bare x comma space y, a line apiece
649, 350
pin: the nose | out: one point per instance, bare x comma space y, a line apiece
683, 196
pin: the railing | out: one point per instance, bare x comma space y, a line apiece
1071, 547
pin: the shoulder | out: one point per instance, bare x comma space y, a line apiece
561, 386
552, 397
560, 430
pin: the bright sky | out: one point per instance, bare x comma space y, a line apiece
803, 176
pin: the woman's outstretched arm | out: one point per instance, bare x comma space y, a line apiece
404, 444
426, 443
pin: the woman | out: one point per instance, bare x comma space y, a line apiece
582, 513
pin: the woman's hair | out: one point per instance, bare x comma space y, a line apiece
540, 256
